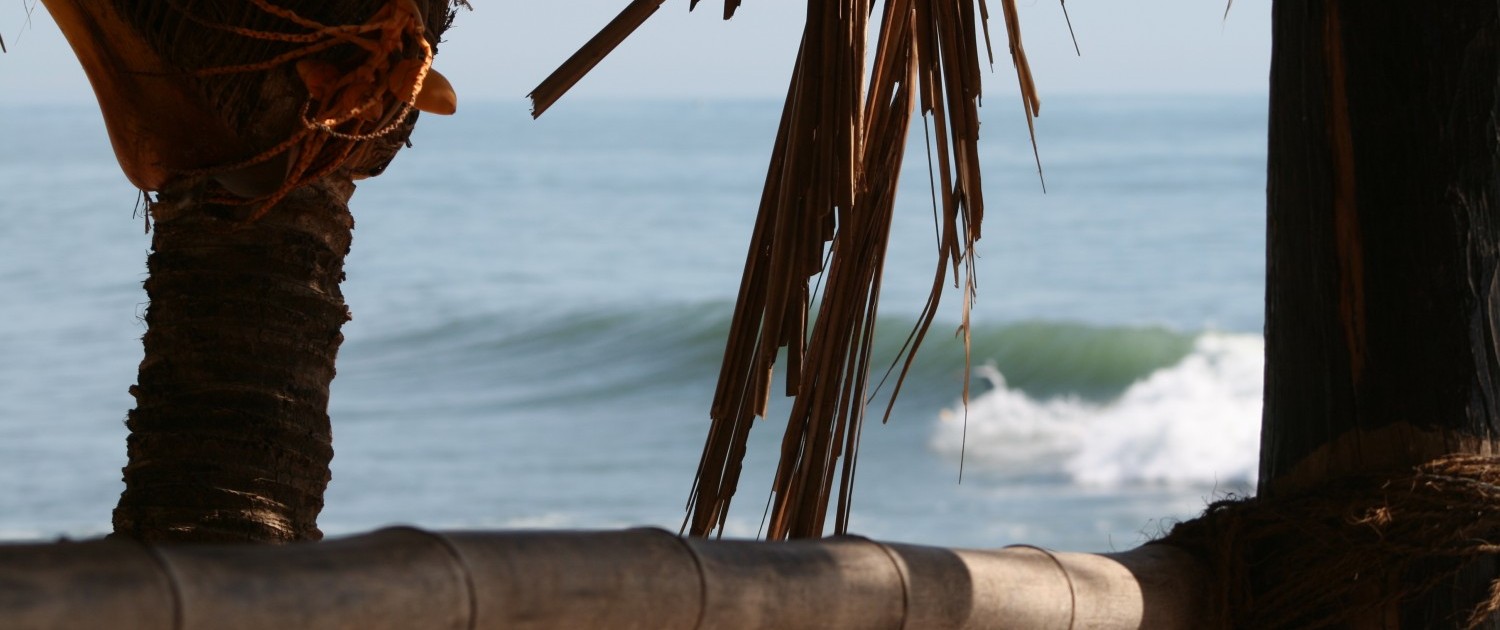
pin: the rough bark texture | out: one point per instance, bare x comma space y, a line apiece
1383, 248
230, 437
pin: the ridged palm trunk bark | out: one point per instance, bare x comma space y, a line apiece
230, 438
1383, 280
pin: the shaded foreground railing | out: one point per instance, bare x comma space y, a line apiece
640, 578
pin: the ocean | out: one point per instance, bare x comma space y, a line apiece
540, 307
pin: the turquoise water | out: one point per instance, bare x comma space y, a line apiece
539, 308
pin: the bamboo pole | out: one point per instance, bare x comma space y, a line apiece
640, 578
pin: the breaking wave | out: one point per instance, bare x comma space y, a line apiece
1194, 422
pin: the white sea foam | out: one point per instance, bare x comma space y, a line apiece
1193, 423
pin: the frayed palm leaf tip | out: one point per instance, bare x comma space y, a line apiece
831, 187
729, 7
571, 71
832, 184
596, 49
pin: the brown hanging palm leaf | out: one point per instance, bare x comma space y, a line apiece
832, 184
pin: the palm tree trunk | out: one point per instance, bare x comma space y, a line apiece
230, 437
1383, 283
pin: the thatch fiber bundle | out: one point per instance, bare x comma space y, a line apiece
1337, 554
826, 212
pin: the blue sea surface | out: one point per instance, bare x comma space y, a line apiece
540, 308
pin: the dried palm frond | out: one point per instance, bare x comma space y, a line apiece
729, 7
831, 184
590, 54
833, 179
597, 48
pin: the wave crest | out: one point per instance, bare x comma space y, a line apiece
1195, 422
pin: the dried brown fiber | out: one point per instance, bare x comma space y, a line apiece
831, 186
1319, 559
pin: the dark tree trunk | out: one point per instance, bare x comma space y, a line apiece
1383, 248
230, 437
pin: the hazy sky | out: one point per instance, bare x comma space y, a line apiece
503, 48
